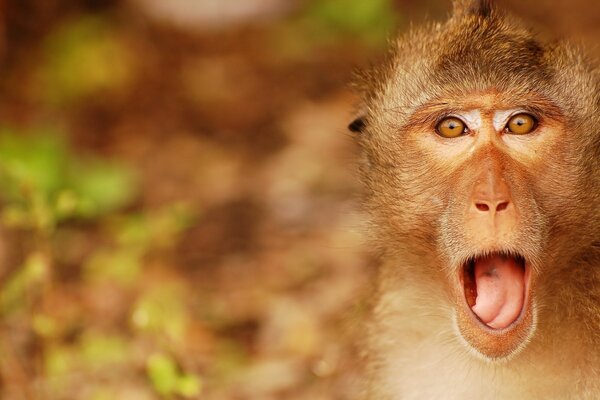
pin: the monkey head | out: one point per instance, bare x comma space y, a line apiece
480, 145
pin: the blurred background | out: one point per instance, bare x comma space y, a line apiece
180, 216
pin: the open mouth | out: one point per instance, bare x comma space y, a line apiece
496, 288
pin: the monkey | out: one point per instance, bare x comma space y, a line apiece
480, 159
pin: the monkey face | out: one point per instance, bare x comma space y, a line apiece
492, 232
470, 199
482, 186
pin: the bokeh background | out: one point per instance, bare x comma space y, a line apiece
180, 216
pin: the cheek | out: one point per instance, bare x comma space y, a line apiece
536, 150
410, 197
550, 165
447, 152
552, 170
424, 179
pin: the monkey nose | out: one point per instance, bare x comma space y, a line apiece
491, 195
491, 213
491, 206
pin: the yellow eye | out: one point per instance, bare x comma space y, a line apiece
451, 127
521, 124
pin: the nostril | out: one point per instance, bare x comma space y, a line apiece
482, 207
502, 206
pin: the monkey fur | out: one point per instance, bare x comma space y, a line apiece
421, 343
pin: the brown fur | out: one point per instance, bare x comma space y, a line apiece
481, 56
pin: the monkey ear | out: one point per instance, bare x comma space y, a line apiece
360, 119
481, 8
358, 125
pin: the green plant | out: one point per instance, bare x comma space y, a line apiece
61, 198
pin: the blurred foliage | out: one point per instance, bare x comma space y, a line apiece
163, 245
42, 184
323, 23
161, 311
135, 235
371, 21
168, 380
14, 293
85, 56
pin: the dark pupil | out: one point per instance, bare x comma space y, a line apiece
452, 125
520, 122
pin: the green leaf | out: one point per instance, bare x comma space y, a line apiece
100, 187
42, 183
163, 374
33, 272
189, 385
161, 311
372, 20
30, 164
99, 350
123, 265
167, 379
83, 57
58, 361
44, 325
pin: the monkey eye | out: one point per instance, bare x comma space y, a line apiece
451, 127
521, 124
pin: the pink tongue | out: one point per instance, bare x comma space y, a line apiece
500, 291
